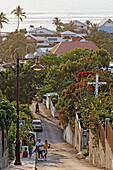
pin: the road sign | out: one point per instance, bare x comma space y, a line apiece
21, 122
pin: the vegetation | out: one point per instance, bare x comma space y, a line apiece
20, 14
61, 71
3, 20
103, 40
79, 98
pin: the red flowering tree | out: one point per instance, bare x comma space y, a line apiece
80, 98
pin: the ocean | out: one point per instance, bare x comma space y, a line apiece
42, 12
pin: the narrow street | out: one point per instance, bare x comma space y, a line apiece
61, 155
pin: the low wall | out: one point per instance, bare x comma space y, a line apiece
77, 137
96, 154
69, 135
109, 157
53, 110
100, 156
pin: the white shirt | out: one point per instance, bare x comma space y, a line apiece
39, 145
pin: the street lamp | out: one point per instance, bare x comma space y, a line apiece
37, 67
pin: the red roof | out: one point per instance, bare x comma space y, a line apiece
64, 47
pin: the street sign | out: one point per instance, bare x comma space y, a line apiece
21, 122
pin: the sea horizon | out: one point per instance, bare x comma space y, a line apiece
42, 13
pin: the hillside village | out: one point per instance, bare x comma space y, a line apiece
64, 44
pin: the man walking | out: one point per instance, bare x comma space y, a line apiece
39, 146
37, 108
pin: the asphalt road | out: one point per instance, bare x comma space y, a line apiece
61, 155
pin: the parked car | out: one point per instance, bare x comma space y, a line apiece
37, 125
25, 139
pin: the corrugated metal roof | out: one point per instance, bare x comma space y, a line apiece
68, 33
106, 29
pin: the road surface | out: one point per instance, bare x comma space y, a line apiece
61, 155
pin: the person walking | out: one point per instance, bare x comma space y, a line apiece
46, 146
37, 108
39, 147
30, 146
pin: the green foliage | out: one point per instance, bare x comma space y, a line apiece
27, 83
85, 152
3, 20
79, 98
25, 114
103, 40
20, 14
7, 114
9, 47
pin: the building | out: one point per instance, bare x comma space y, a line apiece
31, 39
41, 31
68, 34
76, 42
79, 26
106, 25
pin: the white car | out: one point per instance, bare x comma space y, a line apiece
37, 125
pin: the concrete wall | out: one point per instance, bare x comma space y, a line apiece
96, 153
77, 137
53, 110
99, 156
69, 135
109, 157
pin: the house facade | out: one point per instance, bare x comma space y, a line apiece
79, 26
106, 25
41, 31
31, 39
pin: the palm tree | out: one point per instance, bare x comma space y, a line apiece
3, 19
89, 24
57, 22
19, 13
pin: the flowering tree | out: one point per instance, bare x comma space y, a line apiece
79, 98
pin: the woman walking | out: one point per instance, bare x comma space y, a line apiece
30, 146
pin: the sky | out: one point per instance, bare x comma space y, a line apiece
39, 5
56, 7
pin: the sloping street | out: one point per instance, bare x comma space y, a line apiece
61, 155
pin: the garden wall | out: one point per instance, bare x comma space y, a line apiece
77, 137
102, 154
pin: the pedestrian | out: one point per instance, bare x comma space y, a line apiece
39, 146
25, 153
37, 108
30, 146
46, 146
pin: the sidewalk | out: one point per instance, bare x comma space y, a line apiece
27, 164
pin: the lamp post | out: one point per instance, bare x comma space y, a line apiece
17, 151
37, 66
